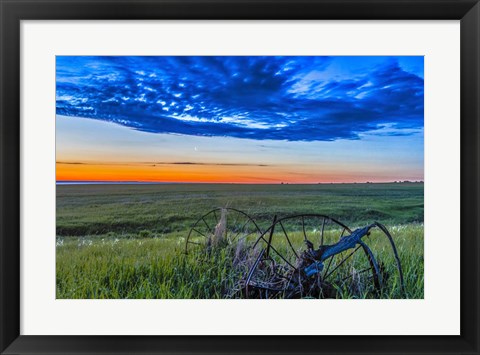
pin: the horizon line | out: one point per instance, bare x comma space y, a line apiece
92, 182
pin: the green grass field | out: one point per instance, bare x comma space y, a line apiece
128, 241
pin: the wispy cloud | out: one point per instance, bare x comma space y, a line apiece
211, 164
278, 98
160, 163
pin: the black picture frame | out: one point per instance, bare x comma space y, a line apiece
14, 11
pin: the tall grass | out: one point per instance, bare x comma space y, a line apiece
134, 267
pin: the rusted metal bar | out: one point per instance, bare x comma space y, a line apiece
269, 243
250, 274
395, 253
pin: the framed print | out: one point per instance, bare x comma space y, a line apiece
237, 177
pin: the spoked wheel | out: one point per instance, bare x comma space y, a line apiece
285, 266
221, 226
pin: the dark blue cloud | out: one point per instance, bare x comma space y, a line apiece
281, 98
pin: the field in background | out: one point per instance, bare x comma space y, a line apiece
127, 241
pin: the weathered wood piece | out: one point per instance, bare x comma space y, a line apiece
347, 242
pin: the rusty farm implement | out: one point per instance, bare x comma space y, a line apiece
297, 256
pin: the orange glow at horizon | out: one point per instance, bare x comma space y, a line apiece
167, 173
200, 173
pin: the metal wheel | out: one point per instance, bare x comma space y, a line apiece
285, 266
221, 226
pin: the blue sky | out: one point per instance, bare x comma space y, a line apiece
240, 119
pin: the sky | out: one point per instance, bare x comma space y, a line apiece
243, 119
